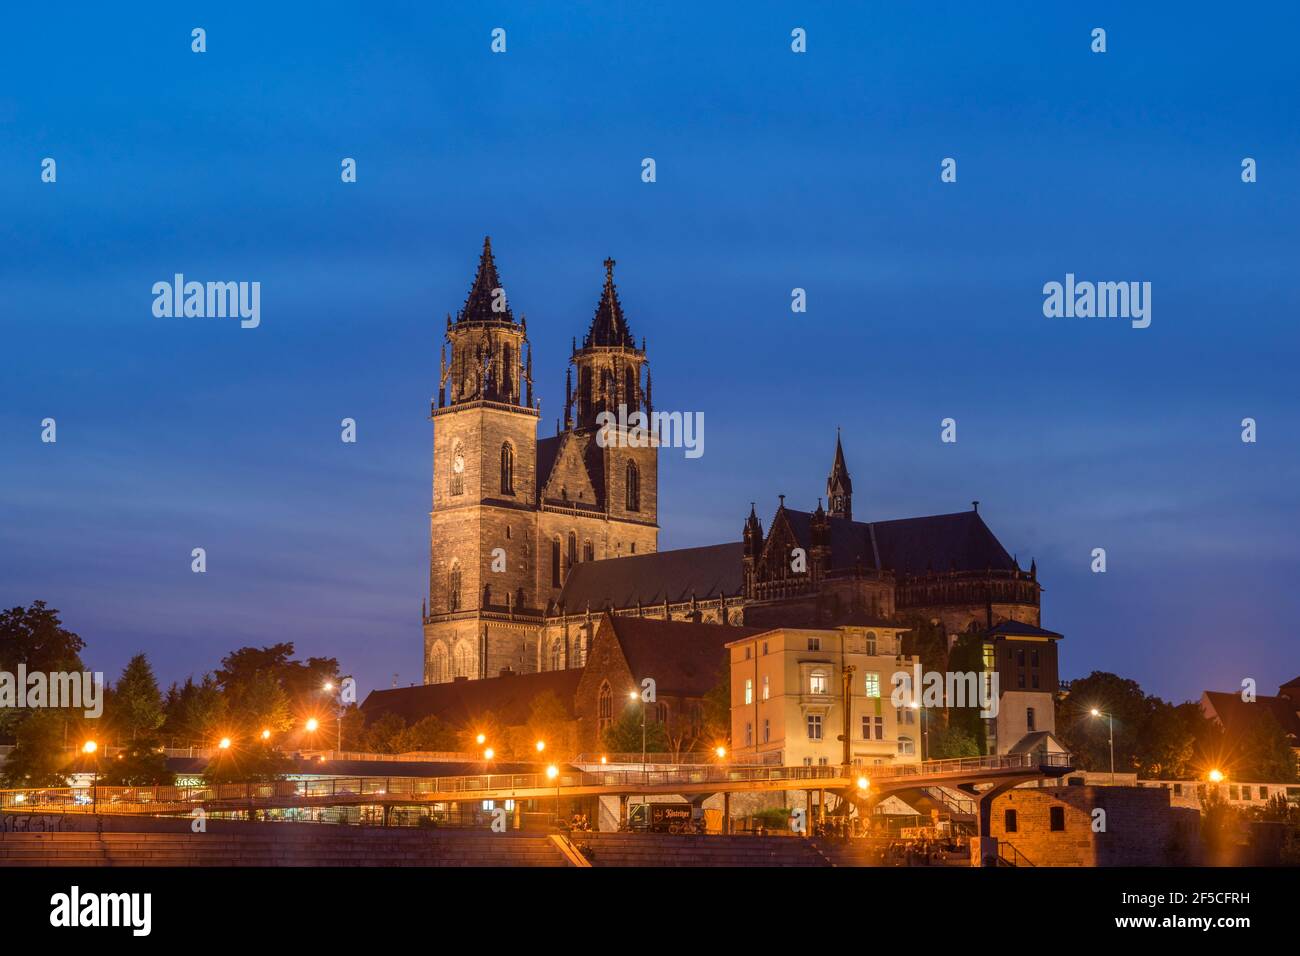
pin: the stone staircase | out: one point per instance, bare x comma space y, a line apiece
273, 845
655, 849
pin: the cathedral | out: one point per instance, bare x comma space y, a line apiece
531, 540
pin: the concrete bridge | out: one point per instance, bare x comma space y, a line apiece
983, 778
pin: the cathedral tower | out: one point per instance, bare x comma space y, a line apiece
481, 585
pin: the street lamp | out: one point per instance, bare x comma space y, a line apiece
89, 747
1110, 720
541, 745
633, 695
864, 784
224, 743
720, 751
925, 729
489, 754
266, 735
1215, 775
553, 773
481, 739
328, 687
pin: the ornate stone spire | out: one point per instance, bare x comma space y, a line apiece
486, 292
609, 327
839, 486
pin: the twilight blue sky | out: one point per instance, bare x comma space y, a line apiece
775, 170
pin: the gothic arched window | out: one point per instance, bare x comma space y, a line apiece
457, 466
555, 562
453, 587
507, 469
633, 487
604, 708
462, 660
557, 654
588, 552
438, 664
573, 549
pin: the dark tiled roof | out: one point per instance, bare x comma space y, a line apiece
547, 449
1017, 629
685, 659
960, 542
620, 582
1237, 715
457, 703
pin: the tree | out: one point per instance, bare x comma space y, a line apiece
37, 639
927, 640
195, 713
137, 705
1088, 737
257, 763
623, 736
1266, 752
548, 721
38, 759
261, 704
142, 764
967, 655
428, 734
951, 742
716, 728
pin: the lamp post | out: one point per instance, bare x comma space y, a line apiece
553, 773
634, 696
90, 747
329, 688
925, 731
1110, 720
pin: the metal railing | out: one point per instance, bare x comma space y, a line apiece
475, 786
771, 758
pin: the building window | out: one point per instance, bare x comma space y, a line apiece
1033, 680
906, 746
814, 643
555, 563
873, 683
588, 552
817, 682
906, 715
814, 727
767, 689
1009, 821
573, 549
453, 587
604, 707
633, 487
1029, 719
871, 645
457, 470
507, 469
749, 735
557, 653
438, 664
746, 652
462, 660
873, 728
1020, 680
1056, 816
1020, 657
749, 690
765, 647
990, 660
767, 730
1033, 657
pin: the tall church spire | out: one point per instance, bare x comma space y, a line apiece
487, 300
839, 486
609, 327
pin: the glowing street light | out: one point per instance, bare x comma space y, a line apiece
89, 747
312, 724
266, 735
541, 745
327, 686
604, 759
481, 739
224, 743
721, 752
489, 754
864, 784
552, 772
1110, 720
1215, 775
